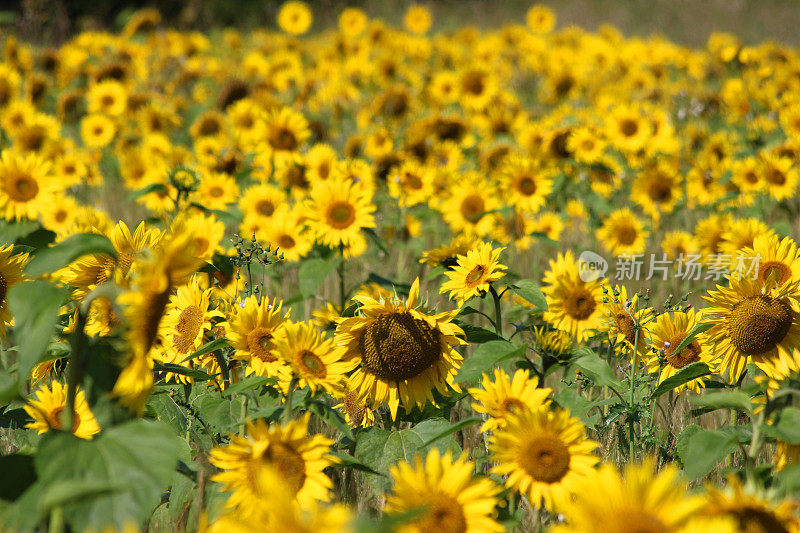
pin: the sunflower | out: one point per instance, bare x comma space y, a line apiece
287, 130
108, 97
467, 208
639, 501
749, 510
92, 271
525, 183
447, 254
48, 406
312, 358
573, 305
774, 259
657, 189
666, 334
543, 453
337, 211
216, 191
11, 265
261, 201
587, 146
474, 273
452, 499
751, 322
623, 233
417, 19
507, 395
97, 130
144, 306
679, 245
780, 175
554, 342
403, 352
208, 233
621, 315
785, 454
254, 328
187, 319
352, 21
741, 233
25, 185
355, 410
709, 233
411, 182
295, 17
61, 215
286, 232
298, 457
627, 128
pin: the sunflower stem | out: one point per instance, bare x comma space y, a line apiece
75, 369
498, 311
632, 378
287, 413
340, 270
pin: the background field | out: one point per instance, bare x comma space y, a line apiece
685, 21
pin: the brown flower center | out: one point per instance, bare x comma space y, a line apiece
475, 275
526, 185
779, 272
311, 364
689, 354
758, 324
21, 187
341, 215
188, 327
283, 139
545, 458
444, 514
398, 347
580, 304
472, 208
259, 342
629, 127
289, 463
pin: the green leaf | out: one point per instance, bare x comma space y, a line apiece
478, 335
458, 426
686, 374
788, 425
249, 383
723, 400
122, 472
17, 474
532, 293
55, 257
705, 450
144, 191
486, 357
697, 330
313, 273
62, 493
194, 373
347, 460
208, 347
11, 231
35, 306
380, 449
596, 368
684, 439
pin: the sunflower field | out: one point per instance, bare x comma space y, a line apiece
387, 278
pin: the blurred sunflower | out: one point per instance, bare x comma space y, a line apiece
540, 19
507, 395
474, 273
109, 97
287, 130
403, 352
526, 184
298, 458
25, 185
544, 453
337, 211
288, 233
453, 499
295, 17
216, 191
749, 510
47, 408
776, 260
417, 19
254, 328
97, 130
639, 500
623, 233
11, 265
